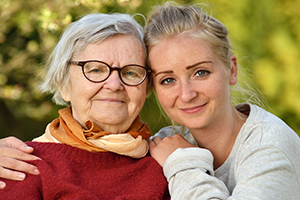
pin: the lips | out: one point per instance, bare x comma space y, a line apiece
192, 110
111, 100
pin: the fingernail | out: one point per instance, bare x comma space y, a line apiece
21, 176
26, 148
2, 185
36, 172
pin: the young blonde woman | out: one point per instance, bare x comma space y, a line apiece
227, 151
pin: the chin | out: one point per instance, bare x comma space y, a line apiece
194, 125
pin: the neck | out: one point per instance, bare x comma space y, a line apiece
112, 128
116, 129
219, 137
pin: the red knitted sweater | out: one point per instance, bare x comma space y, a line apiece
71, 173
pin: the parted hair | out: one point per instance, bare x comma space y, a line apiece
171, 20
92, 28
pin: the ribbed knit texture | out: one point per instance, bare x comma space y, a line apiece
71, 173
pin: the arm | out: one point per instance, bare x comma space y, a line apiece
191, 176
264, 173
12, 152
188, 169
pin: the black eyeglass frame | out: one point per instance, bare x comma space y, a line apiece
111, 69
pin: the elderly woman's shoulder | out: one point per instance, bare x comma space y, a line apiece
168, 131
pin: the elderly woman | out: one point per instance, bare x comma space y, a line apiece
97, 147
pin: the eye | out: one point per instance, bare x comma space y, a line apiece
167, 81
130, 74
95, 68
202, 73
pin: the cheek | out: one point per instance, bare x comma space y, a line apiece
82, 91
164, 96
220, 90
137, 97
76, 83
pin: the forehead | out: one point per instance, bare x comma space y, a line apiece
119, 48
181, 49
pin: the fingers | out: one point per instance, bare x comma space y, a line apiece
2, 185
17, 154
161, 149
152, 143
14, 142
12, 175
8, 164
13, 152
15, 148
157, 140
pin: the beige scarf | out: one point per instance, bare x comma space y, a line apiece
67, 130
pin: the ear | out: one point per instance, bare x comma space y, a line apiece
233, 70
65, 93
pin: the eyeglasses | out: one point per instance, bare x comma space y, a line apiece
97, 71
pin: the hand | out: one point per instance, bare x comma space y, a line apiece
161, 149
12, 152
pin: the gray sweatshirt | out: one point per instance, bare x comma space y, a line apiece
263, 164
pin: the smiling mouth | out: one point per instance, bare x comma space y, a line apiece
111, 100
192, 110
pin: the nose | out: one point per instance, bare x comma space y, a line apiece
187, 93
113, 82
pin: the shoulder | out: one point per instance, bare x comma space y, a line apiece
172, 130
266, 125
49, 149
57, 153
264, 131
168, 131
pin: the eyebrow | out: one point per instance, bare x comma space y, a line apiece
199, 63
188, 67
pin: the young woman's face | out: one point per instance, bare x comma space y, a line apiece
111, 104
192, 84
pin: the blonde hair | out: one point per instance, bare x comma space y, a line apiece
171, 20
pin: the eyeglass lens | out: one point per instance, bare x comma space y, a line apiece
130, 74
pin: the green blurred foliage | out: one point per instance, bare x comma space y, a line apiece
265, 34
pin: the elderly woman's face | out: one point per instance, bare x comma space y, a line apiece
111, 104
